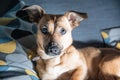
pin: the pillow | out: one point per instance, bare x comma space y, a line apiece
111, 36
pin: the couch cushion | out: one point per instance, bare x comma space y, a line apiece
111, 36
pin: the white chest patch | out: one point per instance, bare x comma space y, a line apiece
54, 72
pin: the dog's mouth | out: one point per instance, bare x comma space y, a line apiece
52, 49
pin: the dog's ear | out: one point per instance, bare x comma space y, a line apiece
74, 17
31, 13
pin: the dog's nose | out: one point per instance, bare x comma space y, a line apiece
53, 49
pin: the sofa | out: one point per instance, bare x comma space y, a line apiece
17, 41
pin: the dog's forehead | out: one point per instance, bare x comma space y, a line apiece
47, 18
54, 23
56, 20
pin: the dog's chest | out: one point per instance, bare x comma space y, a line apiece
60, 67
56, 72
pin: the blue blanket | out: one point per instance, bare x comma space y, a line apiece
15, 59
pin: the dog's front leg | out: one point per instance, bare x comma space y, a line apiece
79, 74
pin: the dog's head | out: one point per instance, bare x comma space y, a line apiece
53, 31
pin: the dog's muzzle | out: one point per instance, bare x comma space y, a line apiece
53, 49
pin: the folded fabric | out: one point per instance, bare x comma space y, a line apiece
15, 59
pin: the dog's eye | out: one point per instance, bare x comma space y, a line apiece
44, 30
62, 31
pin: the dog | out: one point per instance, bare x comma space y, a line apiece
58, 58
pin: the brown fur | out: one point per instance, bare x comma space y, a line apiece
71, 64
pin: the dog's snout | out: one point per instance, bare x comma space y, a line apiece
52, 43
53, 49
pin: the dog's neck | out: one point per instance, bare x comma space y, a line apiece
57, 60
52, 61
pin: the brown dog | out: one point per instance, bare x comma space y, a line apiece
59, 60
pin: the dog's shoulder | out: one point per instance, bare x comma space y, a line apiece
90, 51
71, 49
